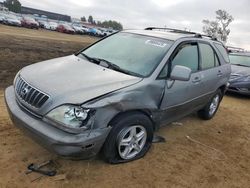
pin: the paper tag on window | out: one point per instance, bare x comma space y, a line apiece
156, 43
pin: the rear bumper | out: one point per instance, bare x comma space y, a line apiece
83, 145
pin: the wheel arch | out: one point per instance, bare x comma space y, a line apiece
145, 112
223, 88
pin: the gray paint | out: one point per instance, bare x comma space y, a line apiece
71, 80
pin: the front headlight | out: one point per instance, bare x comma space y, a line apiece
71, 116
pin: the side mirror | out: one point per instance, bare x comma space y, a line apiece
180, 73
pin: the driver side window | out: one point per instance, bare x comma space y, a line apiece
187, 56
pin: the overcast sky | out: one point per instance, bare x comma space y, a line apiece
143, 13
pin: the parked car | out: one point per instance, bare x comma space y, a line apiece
98, 100
78, 29
52, 26
29, 22
1, 19
92, 31
11, 20
47, 26
240, 77
42, 23
64, 28
85, 29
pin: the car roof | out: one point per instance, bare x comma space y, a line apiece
160, 34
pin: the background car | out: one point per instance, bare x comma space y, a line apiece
85, 29
29, 22
78, 29
41, 23
1, 18
240, 76
95, 32
12, 20
52, 26
64, 28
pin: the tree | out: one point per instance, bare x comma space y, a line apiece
111, 24
90, 19
219, 27
83, 19
13, 5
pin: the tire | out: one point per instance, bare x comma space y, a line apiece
211, 107
128, 130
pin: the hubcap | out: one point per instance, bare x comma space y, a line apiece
131, 140
214, 105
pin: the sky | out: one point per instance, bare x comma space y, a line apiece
138, 14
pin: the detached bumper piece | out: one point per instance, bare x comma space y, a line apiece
82, 145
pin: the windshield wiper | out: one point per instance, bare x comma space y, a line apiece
108, 64
116, 67
91, 59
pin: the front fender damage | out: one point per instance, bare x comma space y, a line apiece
144, 97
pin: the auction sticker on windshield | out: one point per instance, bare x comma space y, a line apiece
156, 43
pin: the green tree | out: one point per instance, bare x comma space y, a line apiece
90, 19
112, 24
83, 19
13, 5
219, 27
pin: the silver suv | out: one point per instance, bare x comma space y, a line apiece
113, 95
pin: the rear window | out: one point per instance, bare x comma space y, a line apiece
223, 51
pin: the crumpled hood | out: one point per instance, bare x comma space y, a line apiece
74, 80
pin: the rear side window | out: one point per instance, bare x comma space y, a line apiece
187, 56
223, 51
207, 56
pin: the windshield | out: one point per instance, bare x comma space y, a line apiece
135, 53
240, 60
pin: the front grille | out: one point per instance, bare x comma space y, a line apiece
29, 94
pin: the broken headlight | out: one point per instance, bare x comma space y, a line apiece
71, 116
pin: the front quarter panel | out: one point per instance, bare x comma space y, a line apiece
144, 96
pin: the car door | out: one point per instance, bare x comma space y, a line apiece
211, 71
181, 97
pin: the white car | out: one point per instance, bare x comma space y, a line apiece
46, 25
11, 20
85, 29
78, 29
53, 26
1, 18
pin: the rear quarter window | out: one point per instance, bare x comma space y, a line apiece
222, 51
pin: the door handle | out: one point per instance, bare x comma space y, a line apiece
196, 79
219, 73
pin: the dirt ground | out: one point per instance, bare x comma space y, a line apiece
216, 155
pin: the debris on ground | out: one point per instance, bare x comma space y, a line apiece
60, 177
158, 139
177, 123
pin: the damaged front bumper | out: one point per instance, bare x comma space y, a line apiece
82, 145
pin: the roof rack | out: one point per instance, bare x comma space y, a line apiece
198, 35
170, 29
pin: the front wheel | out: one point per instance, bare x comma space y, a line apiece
211, 108
129, 139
